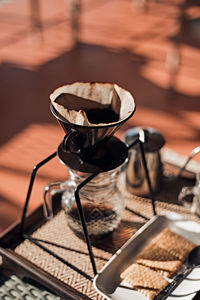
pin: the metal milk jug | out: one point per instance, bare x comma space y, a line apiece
136, 181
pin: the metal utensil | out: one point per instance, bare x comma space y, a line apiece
184, 169
193, 261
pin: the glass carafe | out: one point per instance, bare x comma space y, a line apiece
101, 200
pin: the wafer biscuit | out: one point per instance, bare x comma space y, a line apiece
159, 259
175, 244
144, 279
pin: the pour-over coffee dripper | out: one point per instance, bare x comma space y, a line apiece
87, 146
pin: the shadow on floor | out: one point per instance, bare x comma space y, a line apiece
25, 93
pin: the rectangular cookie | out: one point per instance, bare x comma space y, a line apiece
175, 244
147, 281
159, 259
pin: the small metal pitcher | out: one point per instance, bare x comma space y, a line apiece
135, 174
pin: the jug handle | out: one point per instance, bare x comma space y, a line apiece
194, 152
190, 190
185, 191
47, 203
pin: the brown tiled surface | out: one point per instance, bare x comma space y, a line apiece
118, 43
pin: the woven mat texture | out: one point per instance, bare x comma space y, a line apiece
73, 250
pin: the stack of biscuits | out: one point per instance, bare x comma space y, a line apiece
159, 259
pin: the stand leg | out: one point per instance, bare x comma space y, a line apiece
30, 189
148, 178
145, 169
82, 217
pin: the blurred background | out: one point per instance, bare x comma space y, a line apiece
151, 48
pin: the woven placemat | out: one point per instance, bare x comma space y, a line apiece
57, 236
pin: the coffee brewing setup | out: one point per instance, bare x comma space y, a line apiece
90, 114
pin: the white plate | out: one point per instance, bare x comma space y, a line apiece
108, 282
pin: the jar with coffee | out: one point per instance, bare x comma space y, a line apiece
101, 200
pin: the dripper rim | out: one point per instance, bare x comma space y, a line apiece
59, 117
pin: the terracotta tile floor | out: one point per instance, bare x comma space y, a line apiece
117, 43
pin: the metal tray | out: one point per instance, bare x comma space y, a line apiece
108, 282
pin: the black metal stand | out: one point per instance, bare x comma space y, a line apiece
146, 171
79, 206
82, 217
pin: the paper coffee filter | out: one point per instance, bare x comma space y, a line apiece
73, 101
